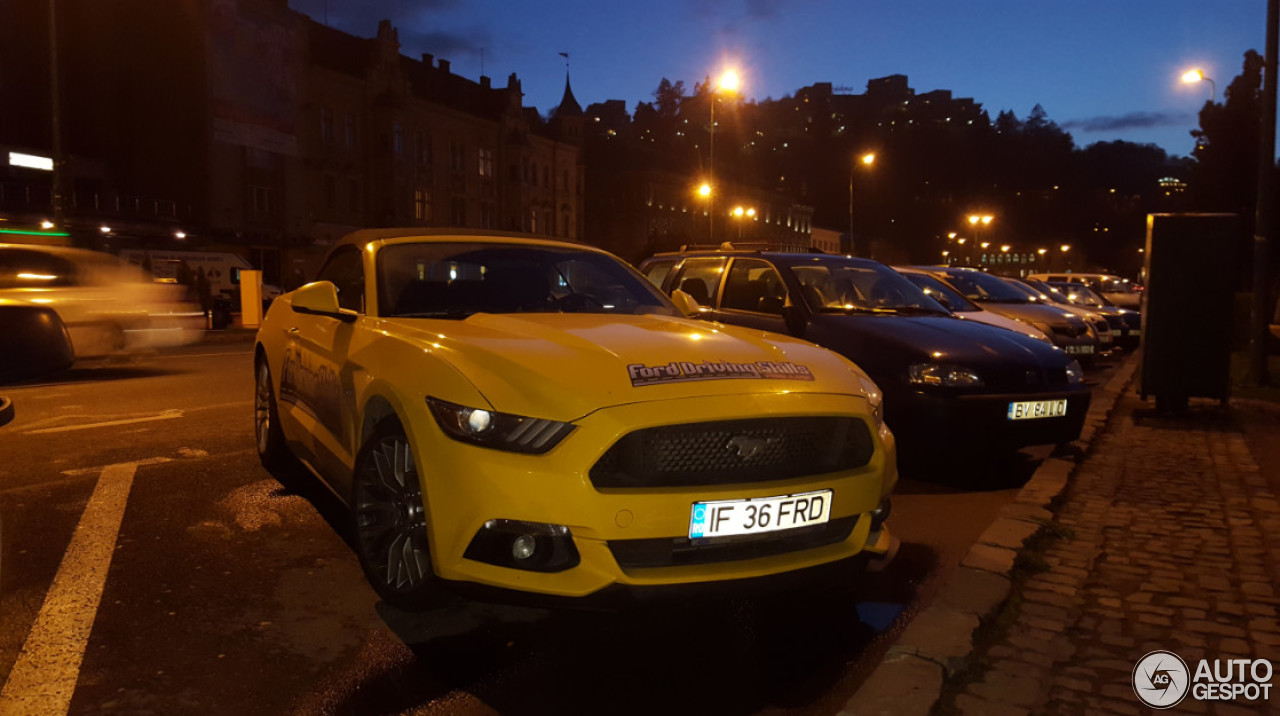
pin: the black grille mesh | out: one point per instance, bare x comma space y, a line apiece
734, 451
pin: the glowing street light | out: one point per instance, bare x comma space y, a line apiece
1195, 75
1005, 248
1064, 248
867, 159
729, 82
704, 190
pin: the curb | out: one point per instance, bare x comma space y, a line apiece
938, 642
228, 335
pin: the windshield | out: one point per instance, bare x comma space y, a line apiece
455, 280
985, 288
1032, 292
1079, 293
835, 285
1052, 291
933, 288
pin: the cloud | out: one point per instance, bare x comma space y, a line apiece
447, 45
1132, 120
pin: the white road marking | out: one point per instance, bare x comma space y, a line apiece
166, 415
44, 677
91, 470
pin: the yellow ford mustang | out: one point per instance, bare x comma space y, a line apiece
507, 413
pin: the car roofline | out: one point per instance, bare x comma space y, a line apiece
402, 235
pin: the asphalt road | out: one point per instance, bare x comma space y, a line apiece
196, 584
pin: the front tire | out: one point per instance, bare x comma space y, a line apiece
273, 451
390, 521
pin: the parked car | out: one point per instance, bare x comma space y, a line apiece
36, 342
962, 307
1067, 330
949, 384
1098, 326
1120, 291
1126, 323
107, 305
515, 415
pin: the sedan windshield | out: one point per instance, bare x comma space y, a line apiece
456, 280
1079, 293
836, 285
985, 288
934, 289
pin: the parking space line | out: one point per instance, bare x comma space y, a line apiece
44, 677
166, 415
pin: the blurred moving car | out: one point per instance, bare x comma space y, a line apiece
1067, 330
522, 415
949, 384
1098, 326
1126, 323
1119, 291
108, 306
962, 307
36, 342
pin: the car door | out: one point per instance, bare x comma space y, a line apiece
754, 295
316, 382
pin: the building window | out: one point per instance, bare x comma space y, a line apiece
533, 221
458, 211
486, 163
261, 201
424, 148
397, 138
349, 131
330, 192
457, 160
422, 205
486, 215
326, 126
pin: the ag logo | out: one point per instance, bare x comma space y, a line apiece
1161, 679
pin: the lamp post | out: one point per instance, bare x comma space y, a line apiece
1193, 76
728, 81
979, 221
867, 160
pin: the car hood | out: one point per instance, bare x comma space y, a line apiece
1032, 312
887, 344
564, 366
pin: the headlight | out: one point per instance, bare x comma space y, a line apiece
1075, 374
874, 396
952, 376
501, 431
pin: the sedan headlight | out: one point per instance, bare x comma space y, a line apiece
1075, 374
501, 431
952, 376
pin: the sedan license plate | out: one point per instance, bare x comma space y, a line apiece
1087, 348
1032, 409
726, 518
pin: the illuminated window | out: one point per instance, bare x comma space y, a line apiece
486, 163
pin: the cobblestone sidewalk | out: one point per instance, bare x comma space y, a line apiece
1168, 538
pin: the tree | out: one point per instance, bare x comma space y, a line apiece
1226, 150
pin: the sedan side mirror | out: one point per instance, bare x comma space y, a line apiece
320, 298
686, 303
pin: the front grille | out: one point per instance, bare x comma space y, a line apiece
1024, 380
1070, 330
734, 451
674, 552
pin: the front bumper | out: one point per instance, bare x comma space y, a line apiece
466, 486
982, 420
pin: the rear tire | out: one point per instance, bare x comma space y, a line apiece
389, 521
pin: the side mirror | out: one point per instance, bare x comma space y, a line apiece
686, 303
320, 298
794, 318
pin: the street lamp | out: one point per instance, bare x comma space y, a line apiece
1193, 76
738, 213
728, 81
867, 160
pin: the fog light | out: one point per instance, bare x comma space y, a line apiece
519, 544
523, 547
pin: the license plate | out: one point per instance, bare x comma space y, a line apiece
1032, 409
1087, 348
726, 518
1135, 331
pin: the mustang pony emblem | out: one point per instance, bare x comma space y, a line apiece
748, 447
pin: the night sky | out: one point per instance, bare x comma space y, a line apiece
1102, 69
